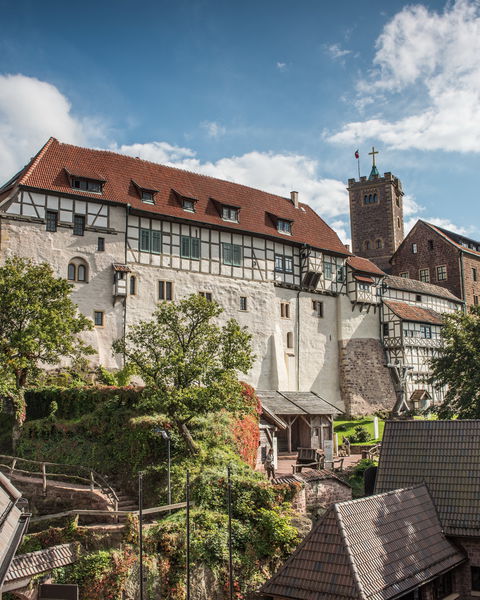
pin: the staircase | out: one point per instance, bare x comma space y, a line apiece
126, 502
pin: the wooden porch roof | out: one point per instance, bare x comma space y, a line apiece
296, 403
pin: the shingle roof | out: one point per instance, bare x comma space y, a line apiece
364, 265
374, 548
454, 239
408, 312
296, 403
41, 561
443, 454
308, 475
49, 171
419, 287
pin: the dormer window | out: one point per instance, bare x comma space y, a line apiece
88, 185
147, 196
188, 205
284, 226
230, 213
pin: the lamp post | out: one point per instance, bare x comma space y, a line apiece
140, 525
166, 437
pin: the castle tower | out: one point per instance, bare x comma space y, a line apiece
376, 215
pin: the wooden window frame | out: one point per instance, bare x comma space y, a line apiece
163, 286
99, 312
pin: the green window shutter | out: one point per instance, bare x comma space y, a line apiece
156, 242
195, 246
145, 240
185, 247
237, 255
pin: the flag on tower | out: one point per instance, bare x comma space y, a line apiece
357, 155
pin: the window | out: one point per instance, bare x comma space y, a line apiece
365, 287
475, 300
367, 245
424, 275
341, 274
99, 318
284, 226
425, 331
232, 254
206, 295
101, 244
398, 222
285, 310
243, 303
430, 244
370, 198
386, 330
165, 290
414, 248
78, 225
474, 274
408, 332
418, 298
72, 271
442, 273
283, 264
77, 270
133, 285
404, 274
147, 196
88, 185
379, 243
289, 339
230, 213
327, 269
475, 571
188, 205
150, 241
190, 247
317, 306
51, 218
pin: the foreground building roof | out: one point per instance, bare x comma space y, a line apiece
375, 548
13, 523
296, 403
41, 561
408, 312
123, 176
443, 454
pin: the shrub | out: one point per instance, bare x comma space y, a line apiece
360, 435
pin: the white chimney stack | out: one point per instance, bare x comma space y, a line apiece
294, 198
347, 246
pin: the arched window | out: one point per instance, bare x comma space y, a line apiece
374, 197
77, 270
367, 245
370, 199
289, 339
379, 243
133, 285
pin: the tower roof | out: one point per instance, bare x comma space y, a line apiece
373, 173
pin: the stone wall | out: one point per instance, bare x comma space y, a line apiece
365, 381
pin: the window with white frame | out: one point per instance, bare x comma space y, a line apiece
230, 213
147, 196
283, 264
88, 185
442, 273
188, 205
284, 226
424, 275
327, 269
317, 306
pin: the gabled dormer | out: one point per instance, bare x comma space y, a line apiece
86, 181
145, 193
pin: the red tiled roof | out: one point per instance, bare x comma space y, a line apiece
48, 171
364, 278
363, 264
374, 548
447, 235
407, 312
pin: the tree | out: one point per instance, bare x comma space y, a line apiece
189, 364
457, 367
39, 323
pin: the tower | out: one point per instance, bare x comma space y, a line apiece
376, 215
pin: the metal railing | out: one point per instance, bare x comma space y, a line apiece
45, 471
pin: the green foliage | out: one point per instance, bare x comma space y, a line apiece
119, 378
457, 366
189, 364
347, 428
362, 465
360, 435
39, 322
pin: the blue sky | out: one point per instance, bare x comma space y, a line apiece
272, 94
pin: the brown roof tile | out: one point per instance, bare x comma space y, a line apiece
419, 287
363, 264
444, 454
408, 312
374, 548
48, 171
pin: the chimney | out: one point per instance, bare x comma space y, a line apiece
294, 198
347, 246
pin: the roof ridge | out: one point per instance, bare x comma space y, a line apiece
36, 159
168, 166
356, 575
390, 492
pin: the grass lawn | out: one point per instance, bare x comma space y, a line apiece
366, 422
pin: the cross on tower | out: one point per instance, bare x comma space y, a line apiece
372, 154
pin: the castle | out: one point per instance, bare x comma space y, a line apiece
129, 233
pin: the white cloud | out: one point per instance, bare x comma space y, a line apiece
432, 59
214, 130
275, 173
410, 207
335, 51
30, 112
281, 66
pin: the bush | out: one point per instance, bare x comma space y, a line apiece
341, 427
360, 435
383, 415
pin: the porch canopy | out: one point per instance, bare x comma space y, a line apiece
308, 416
